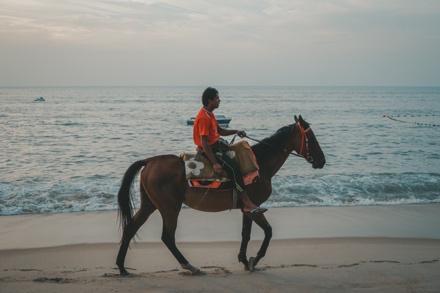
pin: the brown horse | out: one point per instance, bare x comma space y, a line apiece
163, 186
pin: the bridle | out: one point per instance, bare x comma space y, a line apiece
304, 140
304, 150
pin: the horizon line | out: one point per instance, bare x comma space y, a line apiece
218, 85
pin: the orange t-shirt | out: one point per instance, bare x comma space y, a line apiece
205, 124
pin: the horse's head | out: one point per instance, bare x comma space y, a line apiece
306, 143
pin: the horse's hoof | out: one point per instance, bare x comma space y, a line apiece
123, 272
194, 270
245, 263
252, 264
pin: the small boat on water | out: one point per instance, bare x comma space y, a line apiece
221, 119
40, 99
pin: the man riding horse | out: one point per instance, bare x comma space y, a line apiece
206, 135
164, 186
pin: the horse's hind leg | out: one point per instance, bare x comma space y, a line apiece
146, 209
168, 237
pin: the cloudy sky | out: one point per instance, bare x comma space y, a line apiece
228, 42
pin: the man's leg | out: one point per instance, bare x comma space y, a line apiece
233, 170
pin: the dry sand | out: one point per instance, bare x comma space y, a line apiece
345, 249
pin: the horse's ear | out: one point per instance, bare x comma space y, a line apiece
296, 118
303, 122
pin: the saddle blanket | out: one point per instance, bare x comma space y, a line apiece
200, 173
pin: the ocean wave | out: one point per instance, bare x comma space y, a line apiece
68, 123
356, 189
98, 192
75, 195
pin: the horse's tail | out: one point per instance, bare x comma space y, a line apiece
124, 197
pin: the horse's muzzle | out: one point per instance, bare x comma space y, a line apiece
318, 165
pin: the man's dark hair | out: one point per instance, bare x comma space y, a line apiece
208, 95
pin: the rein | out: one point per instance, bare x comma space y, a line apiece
262, 142
304, 143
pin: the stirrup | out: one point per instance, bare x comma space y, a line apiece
256, 211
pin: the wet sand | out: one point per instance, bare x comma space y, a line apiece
331, 249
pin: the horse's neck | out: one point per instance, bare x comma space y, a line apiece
274, 163
273, 159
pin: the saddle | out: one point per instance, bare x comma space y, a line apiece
200, 173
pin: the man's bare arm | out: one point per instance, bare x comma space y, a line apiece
208, 150
226, 132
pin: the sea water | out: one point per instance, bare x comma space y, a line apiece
70, 152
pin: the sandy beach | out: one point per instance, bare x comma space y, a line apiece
316, 249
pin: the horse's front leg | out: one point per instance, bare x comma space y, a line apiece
262, 222
245, 237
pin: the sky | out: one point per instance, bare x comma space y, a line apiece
228, 42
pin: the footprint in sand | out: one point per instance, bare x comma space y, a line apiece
208, 270
53, 280
349, 265
384, 261
286, 266
74, 271
429, 261
216, 270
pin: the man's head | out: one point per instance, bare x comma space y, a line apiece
210, 98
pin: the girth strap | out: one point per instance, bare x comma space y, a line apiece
234, 198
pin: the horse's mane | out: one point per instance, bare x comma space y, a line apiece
272, 143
